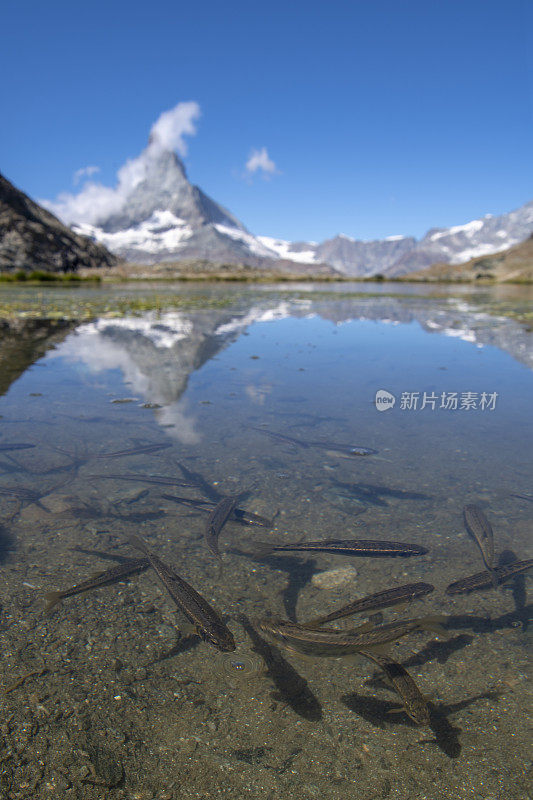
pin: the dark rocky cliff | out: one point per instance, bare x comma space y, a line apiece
32, 238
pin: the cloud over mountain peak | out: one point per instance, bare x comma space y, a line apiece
96, 201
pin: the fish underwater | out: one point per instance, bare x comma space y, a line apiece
108, 576
383, 599
480, 529
334, 643
238, 514
206, 620
342, 450
5, 448
373, 548
414, 703
216, 520
134, 451
484, 580
158, 480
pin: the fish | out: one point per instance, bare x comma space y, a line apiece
141, 494
198, 480
523, 497
20, 491
415, 705
112, 575
206, 620
133, 451
4, 448
373, 494
24, 494
249, 518
216, 520
483, 580
326, 642
343, 450
238, 514
480, 530
384, 599
349, 547
160, 480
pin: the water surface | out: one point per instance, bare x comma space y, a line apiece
132, 704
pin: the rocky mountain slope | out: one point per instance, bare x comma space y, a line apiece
400, 255
32, 238
463, 242
514, 264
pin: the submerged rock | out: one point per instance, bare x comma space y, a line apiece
334, 577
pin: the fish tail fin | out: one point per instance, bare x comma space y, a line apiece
52, 599
137, 542
220, 567
261, 549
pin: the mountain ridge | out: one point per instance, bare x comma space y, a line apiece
155, 215
514, 264
33, 238
163, 217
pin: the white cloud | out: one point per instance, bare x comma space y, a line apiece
259, 160
84, 172
173, 125
95, 201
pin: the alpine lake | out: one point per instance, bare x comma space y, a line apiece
133, 409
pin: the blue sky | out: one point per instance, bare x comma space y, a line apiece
379, 117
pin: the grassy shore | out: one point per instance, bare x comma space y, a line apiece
203, 271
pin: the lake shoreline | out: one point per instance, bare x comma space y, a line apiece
216, 273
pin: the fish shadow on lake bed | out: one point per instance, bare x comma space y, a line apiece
6, 542
299, 573
441, 651
183, 645
517, 587
446, 736
10, 467
292, 689
374, 494
378, 713
522, 616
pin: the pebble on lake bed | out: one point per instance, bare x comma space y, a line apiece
334, 577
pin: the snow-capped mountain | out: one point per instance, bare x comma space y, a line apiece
460, 243
164, 218
160, 217
399, 255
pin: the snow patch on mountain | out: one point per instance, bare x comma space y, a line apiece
163, 330
289, 250
254, 243
161, 232
459, 243
468, 229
